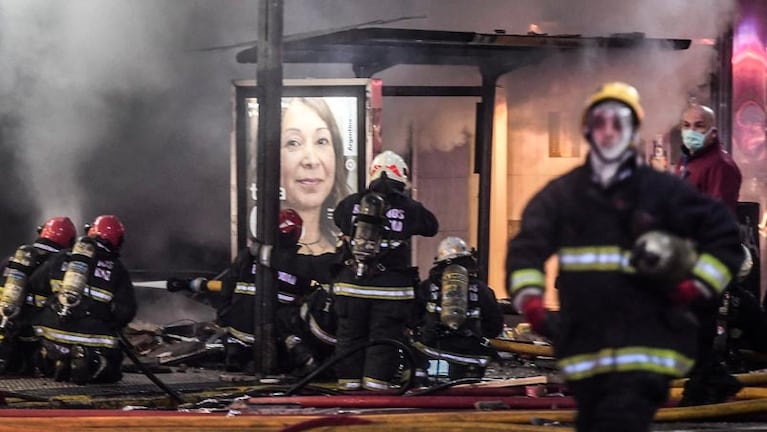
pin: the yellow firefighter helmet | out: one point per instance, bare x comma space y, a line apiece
617, 91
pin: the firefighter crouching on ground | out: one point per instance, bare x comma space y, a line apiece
238, 305
92, 300
623, 234
375, 288
312, 328
458, 314
18, 305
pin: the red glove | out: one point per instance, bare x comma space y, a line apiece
685, 292
534, 313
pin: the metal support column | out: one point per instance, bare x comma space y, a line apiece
269, 81
485, 153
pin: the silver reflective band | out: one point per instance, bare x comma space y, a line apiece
595, 258
526, 277
240, 336
374, 384
712, 271
405, 293
656, 360
286, 277
245, 288
45, 247
76, 338
99, 294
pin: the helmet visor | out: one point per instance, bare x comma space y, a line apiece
610, 128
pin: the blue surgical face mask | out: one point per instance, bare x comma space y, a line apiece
693, 140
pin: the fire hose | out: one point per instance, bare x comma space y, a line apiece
522, 348
128, 349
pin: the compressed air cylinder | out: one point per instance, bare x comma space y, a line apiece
14, 289
368, 229
76, 275
455, 296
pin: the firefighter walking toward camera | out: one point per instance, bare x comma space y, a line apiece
18, 304
92, 300
376, 287
458, 313
635, 247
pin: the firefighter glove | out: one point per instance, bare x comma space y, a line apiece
686, 292
535, 313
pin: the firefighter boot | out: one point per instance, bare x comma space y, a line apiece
239, 358
5, 358
88, 365
80, 373
301, 357
716, 386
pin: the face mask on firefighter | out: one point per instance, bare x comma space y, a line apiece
610, 130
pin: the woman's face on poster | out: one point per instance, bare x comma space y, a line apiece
307, 158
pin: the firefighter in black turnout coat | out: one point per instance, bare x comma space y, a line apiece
308, 326
627, 271
92, 300
375, 289
19, 305
458, 313
238, 298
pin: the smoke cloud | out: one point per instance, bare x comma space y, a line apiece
106, 107
665, 78
113, 112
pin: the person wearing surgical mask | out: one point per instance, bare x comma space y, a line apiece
705, 163
711, 170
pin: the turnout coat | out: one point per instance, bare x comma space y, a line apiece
612, 319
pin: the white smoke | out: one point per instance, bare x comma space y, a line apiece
665, 78
58, 60
115, 113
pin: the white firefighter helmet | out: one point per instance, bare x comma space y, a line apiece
392, 164
451, 248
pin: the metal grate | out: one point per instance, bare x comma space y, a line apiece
131, 384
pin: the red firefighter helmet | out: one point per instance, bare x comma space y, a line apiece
59, 230
291, 226
108, 228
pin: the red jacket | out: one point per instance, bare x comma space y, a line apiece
713, 172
